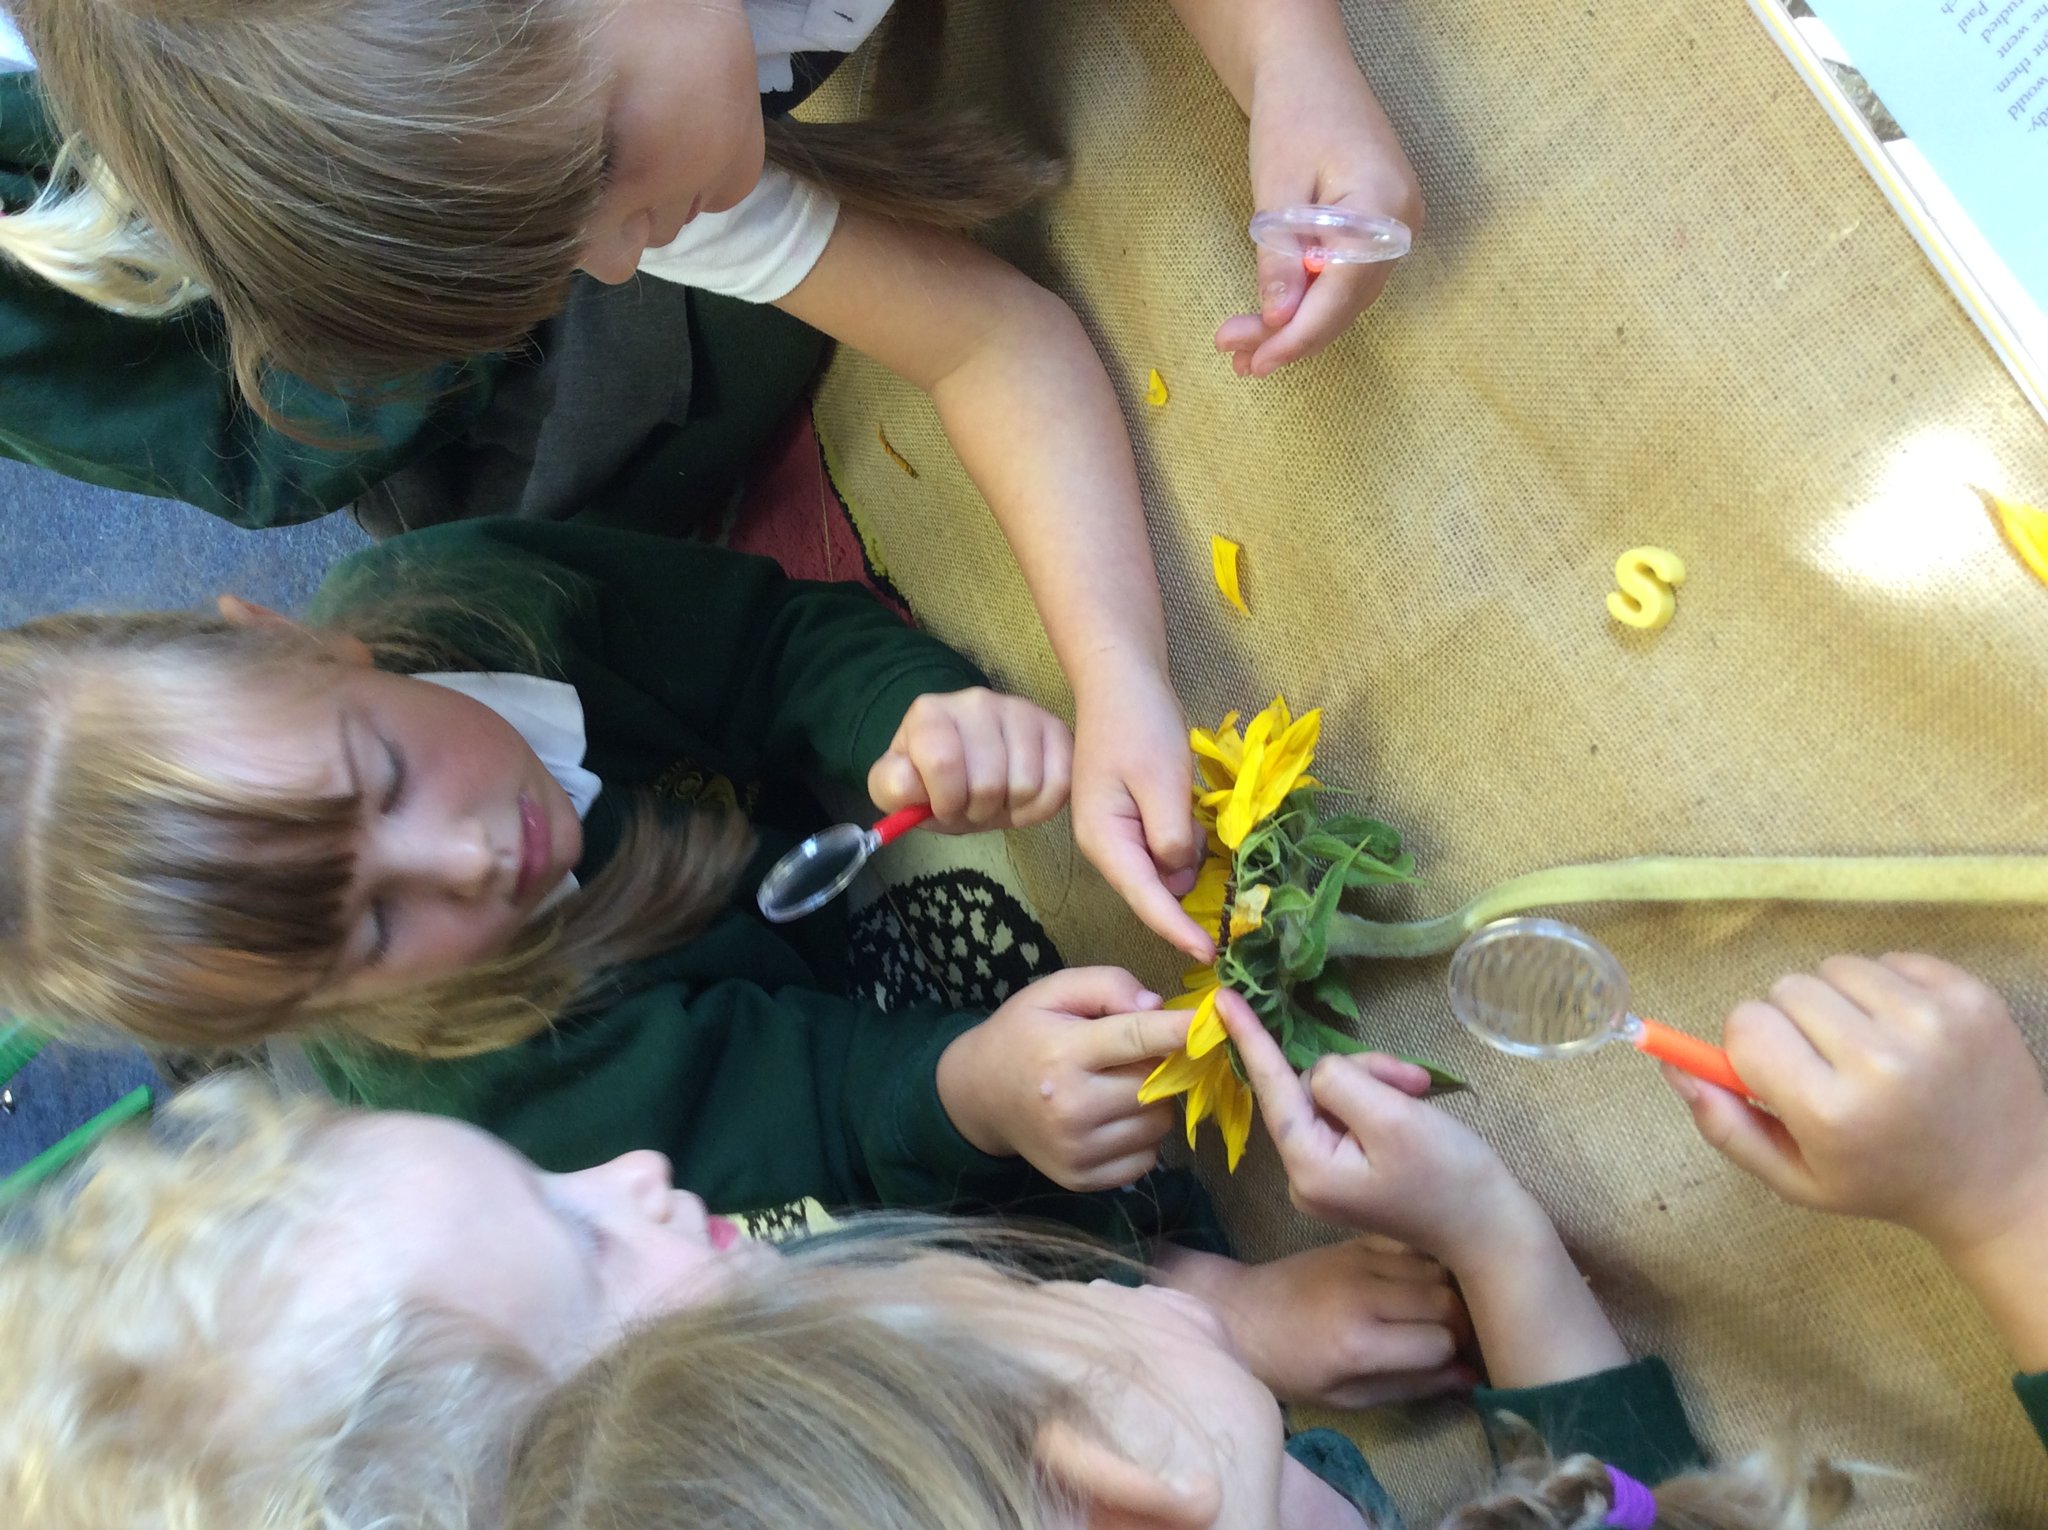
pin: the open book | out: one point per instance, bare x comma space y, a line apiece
1946, 102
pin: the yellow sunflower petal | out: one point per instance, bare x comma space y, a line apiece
2025, 528
1223, 554
1204, 901
1233, 1116
1205, 1031
1202, 1100
1175, 1075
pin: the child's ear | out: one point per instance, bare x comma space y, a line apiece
1115, 1493
237, 612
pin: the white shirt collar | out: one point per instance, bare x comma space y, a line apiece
548, 714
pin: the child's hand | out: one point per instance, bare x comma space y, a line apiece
1357, 1324
981, 759
1903, 1091
1133, 803
1317, 136
1361, 1151
1053, 1077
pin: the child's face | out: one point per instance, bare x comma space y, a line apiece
444, 1214
461, 834
683, 125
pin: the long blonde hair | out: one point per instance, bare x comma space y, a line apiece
371, 187
870, 1403
138, 893
142, 1312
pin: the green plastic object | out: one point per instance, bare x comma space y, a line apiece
18, 1046
74, 1145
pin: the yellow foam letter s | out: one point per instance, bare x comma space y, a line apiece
1647, 576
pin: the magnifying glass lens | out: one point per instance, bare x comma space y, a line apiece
1538, 988
814, 873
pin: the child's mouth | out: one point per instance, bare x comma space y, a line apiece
721, 1233
536, 847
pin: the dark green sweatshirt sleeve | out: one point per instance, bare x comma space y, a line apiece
1629, 1417
758, 1098
148, 406
2033, 1395
778, 675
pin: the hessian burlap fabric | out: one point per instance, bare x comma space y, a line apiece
1658, 302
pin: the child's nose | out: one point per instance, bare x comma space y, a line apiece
646, 1180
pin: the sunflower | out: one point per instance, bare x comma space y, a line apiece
1206, 1073
1245, 777
1249, 774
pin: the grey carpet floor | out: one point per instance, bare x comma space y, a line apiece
65, 545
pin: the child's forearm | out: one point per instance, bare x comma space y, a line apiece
1245, 40
1534, 1316
1038, 428
1031, 413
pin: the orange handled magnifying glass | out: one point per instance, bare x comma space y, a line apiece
1542, 988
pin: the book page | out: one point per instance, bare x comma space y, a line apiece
1968, 82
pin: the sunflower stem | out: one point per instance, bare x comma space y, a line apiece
1709, 879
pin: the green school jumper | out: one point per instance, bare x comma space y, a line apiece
705, 672
649, 398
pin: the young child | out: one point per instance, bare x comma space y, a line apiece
496, 893
943, 1396
370, 188
1900, 1089
269, 1314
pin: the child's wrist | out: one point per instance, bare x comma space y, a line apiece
960, 1096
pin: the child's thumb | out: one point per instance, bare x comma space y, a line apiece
893, 782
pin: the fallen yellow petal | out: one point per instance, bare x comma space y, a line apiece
882, 435
1155, 389
1223, 557
2025, 527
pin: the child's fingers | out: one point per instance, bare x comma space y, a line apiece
1775, 1056
1403, 1386
1282, 281
1745, 1136
1115, 845
1118, 1040
1241, 335
1410, 1078
1130, 1134
1089, 992
1284, 1103
893, 782
1397, 1346
1332, 302
1055, 770
1944, 979
1115, 1175
1348, 1089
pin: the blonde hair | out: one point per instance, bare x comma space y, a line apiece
140, 1312
371, 187
832, 1394
83, 234
835, 1398
138, 893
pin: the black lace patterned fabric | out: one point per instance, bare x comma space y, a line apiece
958, 938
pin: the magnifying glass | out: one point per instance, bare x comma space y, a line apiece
824, 866
1321, 236
1542, 988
